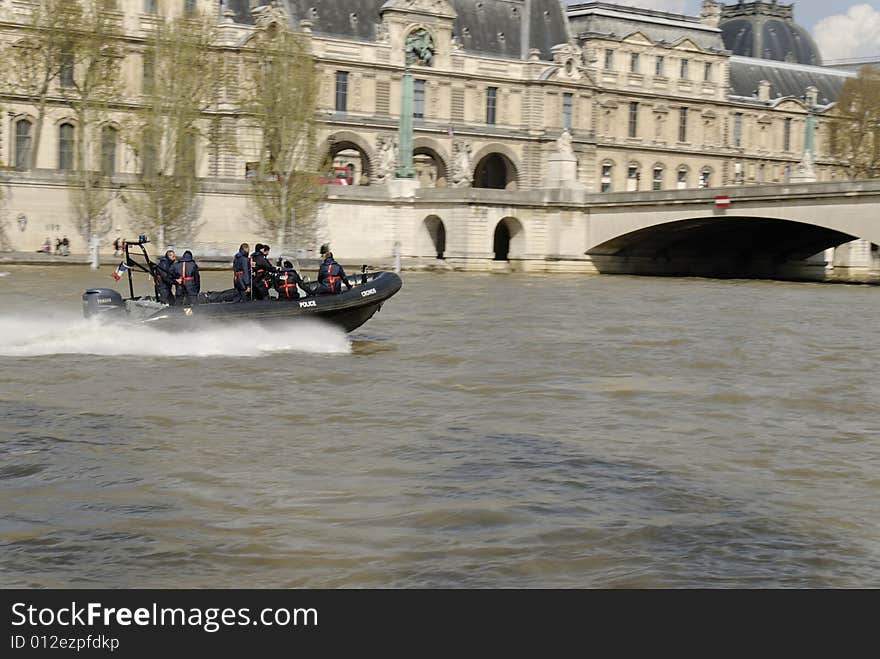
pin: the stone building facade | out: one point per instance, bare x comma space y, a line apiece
510, 95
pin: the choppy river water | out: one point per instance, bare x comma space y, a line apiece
480, 431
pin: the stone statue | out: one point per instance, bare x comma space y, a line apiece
563, 145
386, 160
462, 176
420, 47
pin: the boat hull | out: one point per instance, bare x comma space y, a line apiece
347, 310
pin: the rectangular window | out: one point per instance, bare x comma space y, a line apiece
108, 151
65, 74
737, 129
341, 91
634, 63
682, 124
149, 74
65, 146
681, 179
150, 6
633, 119
684, 69
707, 72
609, 59
660, 66
657, 183
23, 145
419, 99
189, 6
566, 110
786, 135
605, 183
491, 100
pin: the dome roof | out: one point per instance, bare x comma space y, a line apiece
766, 30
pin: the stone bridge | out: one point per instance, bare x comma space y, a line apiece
779, 230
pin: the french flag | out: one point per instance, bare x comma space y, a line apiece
121, 269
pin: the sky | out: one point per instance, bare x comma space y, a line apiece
843, 29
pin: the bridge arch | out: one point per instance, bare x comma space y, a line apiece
727, 246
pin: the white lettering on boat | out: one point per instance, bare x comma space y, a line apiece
308, 303
372, 291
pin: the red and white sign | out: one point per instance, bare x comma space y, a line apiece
722, 200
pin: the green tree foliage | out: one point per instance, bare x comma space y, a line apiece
281, 87
164, 132
856, 125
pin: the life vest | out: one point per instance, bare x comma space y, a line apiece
332, 277
285, 285
183, 277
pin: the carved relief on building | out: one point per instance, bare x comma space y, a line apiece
419, 47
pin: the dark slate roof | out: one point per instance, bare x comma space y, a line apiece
610, 20
491, 27
767, 31
785, 79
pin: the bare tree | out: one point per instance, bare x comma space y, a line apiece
88, 88
33, 64
855, 125
165, 131
282, 85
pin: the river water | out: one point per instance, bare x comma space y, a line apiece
480, 431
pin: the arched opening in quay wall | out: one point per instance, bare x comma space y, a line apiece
436, 236
508, 239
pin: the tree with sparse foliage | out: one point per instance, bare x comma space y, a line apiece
281, 85
33, 65
90, 86
164, 132
855, 125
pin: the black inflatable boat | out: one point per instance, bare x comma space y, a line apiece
348, 310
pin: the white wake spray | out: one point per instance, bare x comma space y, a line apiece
32, 335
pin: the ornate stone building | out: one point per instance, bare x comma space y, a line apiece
515, 95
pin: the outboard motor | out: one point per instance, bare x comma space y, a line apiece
103, 302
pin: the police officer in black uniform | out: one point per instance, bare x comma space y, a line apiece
331, 276
241, 272
286, 282
263, 272
165, 278
186, 276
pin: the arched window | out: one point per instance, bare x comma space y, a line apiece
66, 137
706, 177
23, 144
605, 180
109, 138
633, 176
657, 178
681, 177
